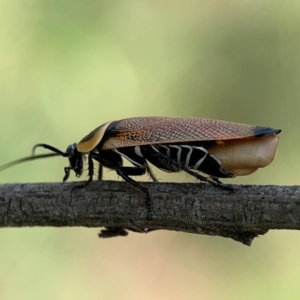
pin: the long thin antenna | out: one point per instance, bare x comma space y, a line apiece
49, 147
27, 158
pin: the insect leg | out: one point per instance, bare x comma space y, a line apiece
100, 172
135, 156
90, 174
114, 161
67, 173
198, 176
125, 172
150, 172
109, 232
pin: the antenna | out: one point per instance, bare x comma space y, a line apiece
27, 158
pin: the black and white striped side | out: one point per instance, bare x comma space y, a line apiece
190, 156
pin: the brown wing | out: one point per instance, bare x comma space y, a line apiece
162, 130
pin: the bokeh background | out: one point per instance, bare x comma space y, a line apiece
69, 66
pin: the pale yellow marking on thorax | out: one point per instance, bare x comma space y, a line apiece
89, 142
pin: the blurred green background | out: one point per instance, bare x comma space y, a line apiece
69, 66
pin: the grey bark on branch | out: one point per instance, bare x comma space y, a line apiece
200, 208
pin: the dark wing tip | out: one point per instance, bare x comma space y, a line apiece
265, 131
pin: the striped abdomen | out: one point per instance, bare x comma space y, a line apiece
191, 156
217, 158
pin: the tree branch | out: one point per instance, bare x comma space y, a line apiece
190, 207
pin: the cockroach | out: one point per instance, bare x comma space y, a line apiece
219, 149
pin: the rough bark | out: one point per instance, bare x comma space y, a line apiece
200, 208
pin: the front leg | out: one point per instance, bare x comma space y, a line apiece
90, 175
100, 172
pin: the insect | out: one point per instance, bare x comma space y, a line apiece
219, 149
